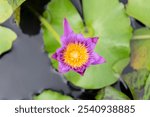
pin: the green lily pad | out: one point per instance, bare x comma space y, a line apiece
7, 7
117, 67
7, 37
139, 9
140, 46
136, 81
147, 89
110, 93
5, 10
103, 18
51, 95
15, 3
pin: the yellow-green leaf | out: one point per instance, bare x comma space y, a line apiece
136, 81
7, 36
139, 9
51, 95
140, 49
15, 3
5, 10
110, 93
147, 89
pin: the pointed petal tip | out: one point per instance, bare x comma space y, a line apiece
54, 56
62, 68
94, 39
80, 71
67, 28
102, 59
92, 42
82, 74
65, 19
97, 59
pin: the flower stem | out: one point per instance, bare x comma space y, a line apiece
50, 28
46, 24
141, 37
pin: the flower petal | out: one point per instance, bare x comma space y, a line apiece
92, 41
63, 68
70, 38
80, 70
63, 40
58, 55
67, 28
80, 37
54, 56
96, 59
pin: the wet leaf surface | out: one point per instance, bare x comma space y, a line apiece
5, 10
147, 89
51, 95
140, 46
139, 10
7, 37
15, 3
110, 93
136, 82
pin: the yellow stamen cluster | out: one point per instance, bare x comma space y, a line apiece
76, 55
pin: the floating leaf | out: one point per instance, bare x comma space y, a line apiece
7, 7
51, 95
140, 57
139, 9
119, 65
136, 82
147, 89
15, 3
110, 93
5, 10
7, 37
109, 23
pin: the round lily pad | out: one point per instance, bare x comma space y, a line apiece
7, 36
5, 10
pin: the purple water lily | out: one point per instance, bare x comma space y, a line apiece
77, 53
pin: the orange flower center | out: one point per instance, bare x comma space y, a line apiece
76, 55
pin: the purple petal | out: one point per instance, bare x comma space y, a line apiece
92, 41
64, 40
67, 28
80, 70
63, 68
58, 55
80, 37
96, 59
70, 38
54, 56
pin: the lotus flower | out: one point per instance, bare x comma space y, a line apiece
76, 52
